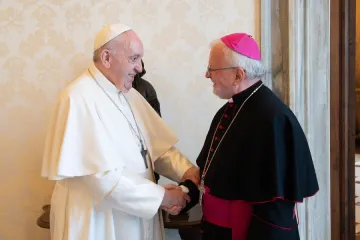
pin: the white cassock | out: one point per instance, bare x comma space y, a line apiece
104, 190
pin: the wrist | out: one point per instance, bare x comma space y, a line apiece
164, 202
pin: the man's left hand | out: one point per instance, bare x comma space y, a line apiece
192, 174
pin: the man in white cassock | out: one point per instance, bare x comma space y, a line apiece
102, 148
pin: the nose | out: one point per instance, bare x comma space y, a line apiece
207, 74
138, 66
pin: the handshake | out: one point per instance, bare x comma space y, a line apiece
175, 198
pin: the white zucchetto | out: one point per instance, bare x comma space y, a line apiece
108, 33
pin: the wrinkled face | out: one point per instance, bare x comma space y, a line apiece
221, 73
125, 62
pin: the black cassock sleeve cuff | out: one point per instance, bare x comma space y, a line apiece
193, 194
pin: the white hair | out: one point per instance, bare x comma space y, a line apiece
254, 69
111, 46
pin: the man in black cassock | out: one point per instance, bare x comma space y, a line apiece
255, 163
146, 89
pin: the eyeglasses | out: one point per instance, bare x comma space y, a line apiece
210, 70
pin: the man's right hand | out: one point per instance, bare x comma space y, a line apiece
174, 196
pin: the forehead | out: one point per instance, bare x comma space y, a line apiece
135, 46
216, 56
129, 44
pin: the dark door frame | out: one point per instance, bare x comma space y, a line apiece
342, 118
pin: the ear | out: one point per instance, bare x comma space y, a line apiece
105, 56
240, 75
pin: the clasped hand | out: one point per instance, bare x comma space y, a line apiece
174, 200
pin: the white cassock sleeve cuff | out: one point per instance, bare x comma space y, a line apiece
126, 192
173, 164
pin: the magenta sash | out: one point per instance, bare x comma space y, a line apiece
234, 214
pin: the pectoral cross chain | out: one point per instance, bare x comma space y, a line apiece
202, 191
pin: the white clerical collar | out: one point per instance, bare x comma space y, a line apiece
231, 100
102, 80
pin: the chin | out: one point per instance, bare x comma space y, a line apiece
126, 89
221, 96
217, 94
127, 85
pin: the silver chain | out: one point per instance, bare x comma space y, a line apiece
206, 167
130, 125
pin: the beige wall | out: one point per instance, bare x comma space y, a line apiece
45, 44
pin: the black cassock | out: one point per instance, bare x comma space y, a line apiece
263, 159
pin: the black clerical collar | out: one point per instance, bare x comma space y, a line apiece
241, 96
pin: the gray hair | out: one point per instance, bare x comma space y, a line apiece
254, 69
97, 52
